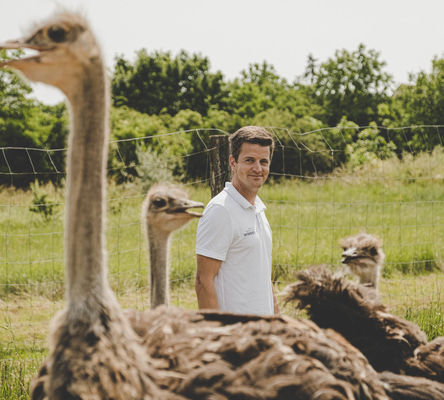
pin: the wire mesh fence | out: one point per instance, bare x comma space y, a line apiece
321, 189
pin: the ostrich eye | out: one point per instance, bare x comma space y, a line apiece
373, 251
57, 34
158, 203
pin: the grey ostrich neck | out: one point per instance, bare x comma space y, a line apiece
158, 245
86, 192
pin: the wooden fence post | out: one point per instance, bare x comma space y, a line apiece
220, 170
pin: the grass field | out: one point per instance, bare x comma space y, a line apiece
307, 218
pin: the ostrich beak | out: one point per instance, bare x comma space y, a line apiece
21, 63
349, 255
345, 260
11, 44
185, 205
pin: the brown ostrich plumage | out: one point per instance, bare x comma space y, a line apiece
206, 355
428, 360
402, 387
244, 349
389, 342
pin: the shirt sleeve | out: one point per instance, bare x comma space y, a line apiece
214, 233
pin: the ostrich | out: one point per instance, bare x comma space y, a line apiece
389, 342
363, 255
165, 209
95, 352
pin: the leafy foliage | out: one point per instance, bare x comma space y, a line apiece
160, 93
350, 84
369, 146
40, 203
422, 102
158, 82
153, 168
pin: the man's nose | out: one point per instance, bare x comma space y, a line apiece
257, 166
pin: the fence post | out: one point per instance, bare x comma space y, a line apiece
220, 171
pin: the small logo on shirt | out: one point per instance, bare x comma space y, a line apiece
249, 232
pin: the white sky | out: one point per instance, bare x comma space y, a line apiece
235, 33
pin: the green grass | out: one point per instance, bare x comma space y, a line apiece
308, 217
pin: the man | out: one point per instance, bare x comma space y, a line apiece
234, 243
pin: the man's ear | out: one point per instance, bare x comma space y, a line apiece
232, 161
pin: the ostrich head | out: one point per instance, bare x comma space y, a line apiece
167, 208
363, 254
65, 48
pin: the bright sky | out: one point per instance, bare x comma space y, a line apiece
235, 33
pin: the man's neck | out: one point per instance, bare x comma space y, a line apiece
248, 195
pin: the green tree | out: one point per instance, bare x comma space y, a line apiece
351, 84
14, 111
255, 91
221, 119
369, 146
260, 88
27, 127
421, 102
158, 82
128, 124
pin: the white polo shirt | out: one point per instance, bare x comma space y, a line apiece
237, 232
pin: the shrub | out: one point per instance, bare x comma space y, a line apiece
40, 203
153, 167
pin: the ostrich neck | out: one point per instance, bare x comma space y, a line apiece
158, 245
86, 191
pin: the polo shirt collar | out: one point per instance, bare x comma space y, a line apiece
258, 206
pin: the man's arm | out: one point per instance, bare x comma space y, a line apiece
207, 269
277, 311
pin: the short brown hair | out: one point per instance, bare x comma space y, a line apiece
250, 134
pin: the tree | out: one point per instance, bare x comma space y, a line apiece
159, 82
260, 88
423, 102
350, 85
369, 146
420, 103
14, 109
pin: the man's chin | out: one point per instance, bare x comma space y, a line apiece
257, 184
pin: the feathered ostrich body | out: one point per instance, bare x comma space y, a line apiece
99, 352
94, 353
165, 209
389, 342
364, 256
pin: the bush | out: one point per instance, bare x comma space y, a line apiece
40, 203
153, 167
369, 146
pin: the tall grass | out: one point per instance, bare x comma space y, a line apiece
400, 201
16, 377
309, 219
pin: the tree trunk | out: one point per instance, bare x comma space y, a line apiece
220, 170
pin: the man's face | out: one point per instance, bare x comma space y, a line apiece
251, 169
